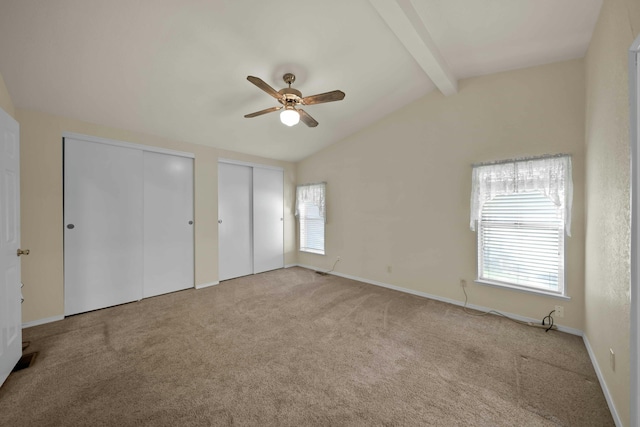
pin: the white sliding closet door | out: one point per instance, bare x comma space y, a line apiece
235, 236
268, 226
168, 223
103, 235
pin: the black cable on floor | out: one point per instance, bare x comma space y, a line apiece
550, 320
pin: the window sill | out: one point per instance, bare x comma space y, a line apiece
311, 251
520, 289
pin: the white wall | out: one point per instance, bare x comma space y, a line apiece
607, 247
5, 99
398, 191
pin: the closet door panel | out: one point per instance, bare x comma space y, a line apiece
168, 224
103, 213
235, 236
268, 226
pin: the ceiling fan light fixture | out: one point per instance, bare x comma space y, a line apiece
290, 117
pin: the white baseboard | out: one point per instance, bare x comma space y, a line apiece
561, 328
42, 321
292, 265
206, 285
603, 385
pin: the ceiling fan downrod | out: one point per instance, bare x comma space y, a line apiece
289, 78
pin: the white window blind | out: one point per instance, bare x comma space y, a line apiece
521, 242
310, 210
522, 211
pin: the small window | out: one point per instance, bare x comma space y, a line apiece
521, 242
310, 210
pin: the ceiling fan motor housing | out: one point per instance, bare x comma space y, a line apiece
290, 96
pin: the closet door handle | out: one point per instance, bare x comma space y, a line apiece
190, 222
219, 221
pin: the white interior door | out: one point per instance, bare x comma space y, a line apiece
168, 223
10, 296
268, 225
235, 240
103, 234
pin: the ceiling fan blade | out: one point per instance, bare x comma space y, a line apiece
264, 86
265, 111
307, 119
335, 95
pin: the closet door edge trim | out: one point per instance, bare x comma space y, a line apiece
149, 148
249, 164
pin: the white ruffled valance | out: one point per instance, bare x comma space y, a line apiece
549, 175
312, 193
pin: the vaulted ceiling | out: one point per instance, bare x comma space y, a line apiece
178, 69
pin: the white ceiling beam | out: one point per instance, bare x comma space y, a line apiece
404, 21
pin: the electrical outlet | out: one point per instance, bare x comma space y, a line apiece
389, 269
559, 311
612, 359
463, 283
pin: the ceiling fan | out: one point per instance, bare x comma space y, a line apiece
290, 98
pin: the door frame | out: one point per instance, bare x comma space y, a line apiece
634, 130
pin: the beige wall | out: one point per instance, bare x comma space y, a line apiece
398, 192
41, 205
5, 99
607, 259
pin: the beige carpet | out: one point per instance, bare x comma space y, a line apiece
293, 348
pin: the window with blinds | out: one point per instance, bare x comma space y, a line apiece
311, 228
311, 211
521, 243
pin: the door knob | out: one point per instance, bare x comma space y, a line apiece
190, 222
23, 252
219, 221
